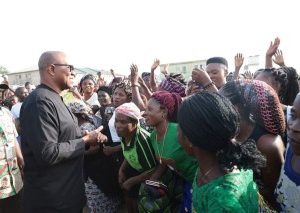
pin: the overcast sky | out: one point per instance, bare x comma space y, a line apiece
114, 34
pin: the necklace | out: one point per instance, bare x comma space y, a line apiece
202, 176
160, 152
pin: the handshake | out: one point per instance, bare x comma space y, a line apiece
94, 137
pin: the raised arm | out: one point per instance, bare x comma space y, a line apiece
147, 91
278, 58
238, 63
136, 96
152, 75
201, 77
271, 51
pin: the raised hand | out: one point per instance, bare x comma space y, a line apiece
112, 72
273, 47
165, 69
248, 75
239, 60
278, 58
200, 76
134, 77
155, 64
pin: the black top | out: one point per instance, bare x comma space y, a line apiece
53, 152
257, 133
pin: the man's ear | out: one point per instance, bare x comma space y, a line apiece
51, 70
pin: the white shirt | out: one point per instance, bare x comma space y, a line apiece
93, 100
15, 110
112, 129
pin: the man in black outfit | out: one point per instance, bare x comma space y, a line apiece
52, 144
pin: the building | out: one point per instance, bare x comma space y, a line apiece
32, 75
253, 63
185, 68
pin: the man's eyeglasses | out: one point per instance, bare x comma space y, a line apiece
71, 67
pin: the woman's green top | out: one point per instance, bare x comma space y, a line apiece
171, 153
233, 192
139, 152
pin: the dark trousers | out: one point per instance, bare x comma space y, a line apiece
11, 204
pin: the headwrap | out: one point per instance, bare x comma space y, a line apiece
263, 104
173, 86
79, 107
130, 110
217, 60
126, 85
106, 89
170, 101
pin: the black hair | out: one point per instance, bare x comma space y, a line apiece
287, 77
86, 77
106, 89
210, 122
18, 91
27, 83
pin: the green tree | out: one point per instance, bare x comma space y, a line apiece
3, 70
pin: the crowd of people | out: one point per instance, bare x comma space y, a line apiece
221, 142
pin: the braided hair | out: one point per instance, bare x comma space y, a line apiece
210, 122
258, 101
287, 78
169, 101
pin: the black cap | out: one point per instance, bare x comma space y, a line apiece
217, 60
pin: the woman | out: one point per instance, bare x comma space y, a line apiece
262, 120
283, 80
161, 113
137, 150
224, 181
97, 200
105, 100
87, 85
288, 187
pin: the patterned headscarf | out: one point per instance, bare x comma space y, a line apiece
171, 101
172, 85
79, 107
130, 110
126, 85
261, 101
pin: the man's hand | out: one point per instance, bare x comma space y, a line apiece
134, 77
238, 60
94, 137
248, 75
273, 47
278, 58
155, 64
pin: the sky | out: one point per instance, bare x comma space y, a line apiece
113, 34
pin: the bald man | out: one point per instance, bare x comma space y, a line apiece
51, 142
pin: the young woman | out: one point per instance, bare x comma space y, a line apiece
283, 80
288, 187
262, 120
161, 113
105, 100
87, 85
224, 181
139, 157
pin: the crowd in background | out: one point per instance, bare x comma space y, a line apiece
221, 142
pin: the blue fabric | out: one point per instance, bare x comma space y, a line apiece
186, 205
288, 170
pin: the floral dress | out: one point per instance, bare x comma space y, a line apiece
97, 201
